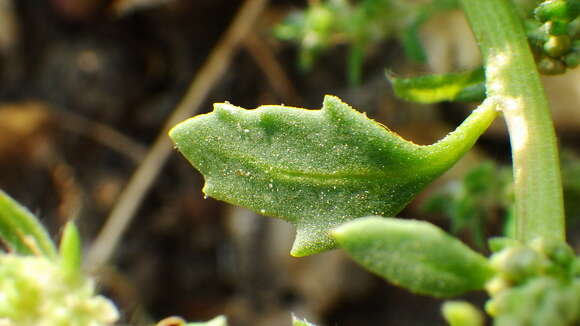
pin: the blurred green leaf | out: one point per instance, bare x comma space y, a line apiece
409, 36
315, 168
328, 23
314, 28
415, 255
570, 167
411, 43
355, 63
509, 225
465, 86
299, 322
21, 231
71, 249
487, 189
472, 201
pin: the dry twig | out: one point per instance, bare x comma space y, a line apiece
147, 172
101, 133
266, 61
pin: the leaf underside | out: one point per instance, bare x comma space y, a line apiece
314, 168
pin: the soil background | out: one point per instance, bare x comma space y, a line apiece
85, 89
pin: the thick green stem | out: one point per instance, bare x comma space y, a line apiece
512, 80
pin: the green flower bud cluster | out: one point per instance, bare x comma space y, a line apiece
555, 35
37, 291
537, 284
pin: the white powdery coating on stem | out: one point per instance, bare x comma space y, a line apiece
519, 134
496, 70
496, 66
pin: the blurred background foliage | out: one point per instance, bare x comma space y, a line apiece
86, 86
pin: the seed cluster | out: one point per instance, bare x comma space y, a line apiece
554, 35
537, 284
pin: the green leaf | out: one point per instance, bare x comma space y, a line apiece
462, 86
299, 322
21, 231
355, 63
70, 249
410, 39
315, 168
415, 255
472, 93
411, 43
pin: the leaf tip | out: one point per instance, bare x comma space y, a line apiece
330, 97
331, 100
71, 248
339, 232
176, 132
173, 132
299, 251
311, 240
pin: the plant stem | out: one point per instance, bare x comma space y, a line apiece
512, 80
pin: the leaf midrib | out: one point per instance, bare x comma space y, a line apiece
327, 179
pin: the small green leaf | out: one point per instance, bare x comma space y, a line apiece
315, 168
21, 231
299, 322
70, 249
415, 255
410, 39
412, 44
462, 86
355, 63
472, 93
